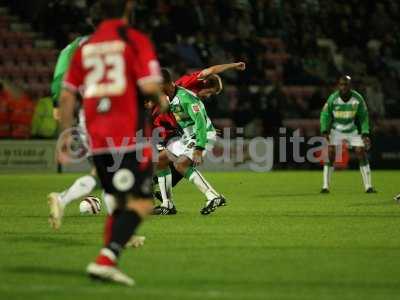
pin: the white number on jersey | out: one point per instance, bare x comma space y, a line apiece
106, 65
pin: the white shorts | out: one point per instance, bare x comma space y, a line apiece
186, 147
353, 139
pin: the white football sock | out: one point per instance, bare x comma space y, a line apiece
165, 184
109, 202
203, 185
328, 170
366, 176
83, 186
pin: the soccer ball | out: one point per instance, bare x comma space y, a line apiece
91, 205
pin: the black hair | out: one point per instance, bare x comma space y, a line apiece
112, 9
166, 75
96, 14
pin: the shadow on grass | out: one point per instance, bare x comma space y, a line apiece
275, 195
378, 203
339, 285
44, 270
48, 240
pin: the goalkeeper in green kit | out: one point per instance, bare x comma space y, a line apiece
344, 118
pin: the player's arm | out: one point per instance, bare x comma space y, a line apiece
56, 84
363, 119
67, 105
61, 69
72, 82
217, 69
66, 111
326, 119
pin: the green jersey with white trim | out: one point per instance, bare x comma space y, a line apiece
191, 115
62, 66
345, 117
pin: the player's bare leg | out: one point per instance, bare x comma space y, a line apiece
82, 187
328, 169
184, 165
126, 221
164, 177
364, 169
136, 241
176, 178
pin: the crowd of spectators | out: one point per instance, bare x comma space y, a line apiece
314, 42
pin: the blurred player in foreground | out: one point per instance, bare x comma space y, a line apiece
116, 69
342, 116
84, 185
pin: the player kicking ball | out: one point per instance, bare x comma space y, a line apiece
343, 114
188, 150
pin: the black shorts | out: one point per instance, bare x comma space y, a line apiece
129, 178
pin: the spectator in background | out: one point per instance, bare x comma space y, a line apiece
325, 68
4, 112
21, 108
375, 99
43, 123
318, 99
311, 63
187, 51
244, 25
293, 70
194, 33
381, 21
202, 47
352, 63
272, 109
391, 89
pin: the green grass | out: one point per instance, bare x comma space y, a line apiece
278, 239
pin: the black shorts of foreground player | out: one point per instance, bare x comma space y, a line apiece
107, 70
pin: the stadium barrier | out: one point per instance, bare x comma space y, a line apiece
27, 155
227, 155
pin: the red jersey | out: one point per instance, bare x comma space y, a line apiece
165, 121
107, 70
191, 82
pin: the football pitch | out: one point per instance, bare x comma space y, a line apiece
277, 239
